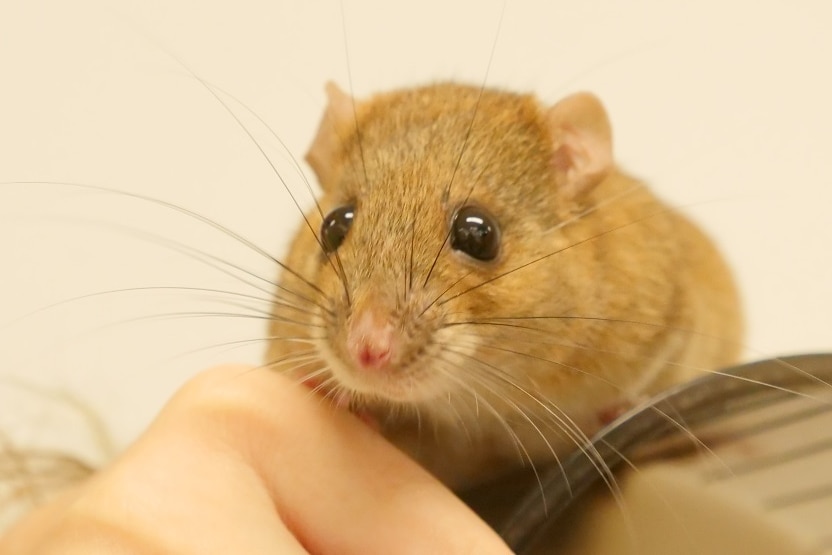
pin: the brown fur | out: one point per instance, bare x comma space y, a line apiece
650, 299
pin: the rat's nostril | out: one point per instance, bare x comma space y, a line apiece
371, 340
374, 356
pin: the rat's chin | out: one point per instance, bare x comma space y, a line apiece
408, 385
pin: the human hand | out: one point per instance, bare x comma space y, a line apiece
244, 461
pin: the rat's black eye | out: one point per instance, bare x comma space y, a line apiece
474, 232
335, 227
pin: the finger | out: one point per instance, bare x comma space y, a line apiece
339, 486
173, 491
244, 461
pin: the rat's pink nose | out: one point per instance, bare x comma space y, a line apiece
373, 356
371, 341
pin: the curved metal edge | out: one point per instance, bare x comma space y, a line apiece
707, 397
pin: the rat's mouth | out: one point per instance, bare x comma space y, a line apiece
342, 399
405, 383
346, 382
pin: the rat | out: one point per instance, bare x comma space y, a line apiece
481, 281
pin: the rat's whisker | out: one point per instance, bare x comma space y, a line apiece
478, 343
328, 390
522, 453
146, 289
265, 312
201, 315
500, 320
463, 147
352, 91
452, 407
409, 287
681, 426
565, 423
544, 339
181, 210
554, 253
476, 108
442, 294
311, 377
214, 89
610, 201
285, 149
281, 302
214, 92
599, 235
252, 341
339, 271
562, 421
491, 372
214, 262
219, 264
297, 357
459, 205
482, 379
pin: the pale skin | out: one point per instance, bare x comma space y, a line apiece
244, 461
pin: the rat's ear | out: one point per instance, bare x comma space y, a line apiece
338, 122
582, 149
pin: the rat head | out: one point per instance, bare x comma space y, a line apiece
440, 205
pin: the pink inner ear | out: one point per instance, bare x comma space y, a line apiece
340, 106
562, 158
582, 150
337, 122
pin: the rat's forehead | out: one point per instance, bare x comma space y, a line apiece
443, 156
426, 178
420, 154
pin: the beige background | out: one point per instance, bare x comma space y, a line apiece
723, 106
